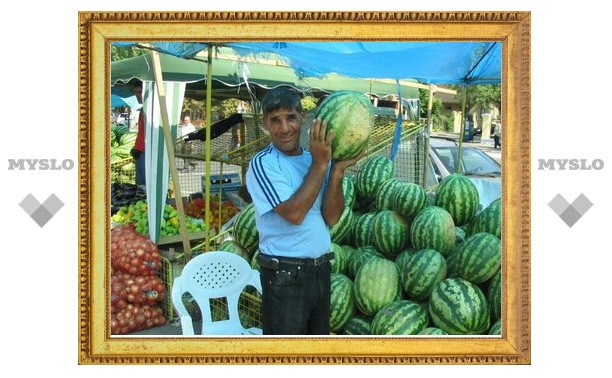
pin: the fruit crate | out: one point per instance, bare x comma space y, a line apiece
123, 171
224, 184
249, 304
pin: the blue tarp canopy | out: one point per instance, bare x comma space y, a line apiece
427, 62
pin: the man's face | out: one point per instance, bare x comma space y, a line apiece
186, 120
284, 128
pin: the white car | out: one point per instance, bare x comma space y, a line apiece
483, 170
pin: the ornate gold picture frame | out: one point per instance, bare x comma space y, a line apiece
98, 29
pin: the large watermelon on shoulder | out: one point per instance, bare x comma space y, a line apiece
350, 115
459, 307
459, 196
433, 228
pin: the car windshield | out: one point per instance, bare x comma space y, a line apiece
474, 161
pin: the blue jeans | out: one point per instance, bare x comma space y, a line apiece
296, 300
140, 169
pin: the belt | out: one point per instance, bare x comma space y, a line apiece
273, 261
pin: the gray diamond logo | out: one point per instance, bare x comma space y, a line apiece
41, 213
570, 213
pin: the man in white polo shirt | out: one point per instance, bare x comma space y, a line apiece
297, 194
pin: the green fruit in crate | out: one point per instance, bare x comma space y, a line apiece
408, 199
402, 317
377, 284
459, 307
129, 168
489, 220
350, 115
459, 196
478, 258
390, 233
128, 139
433, 228
245, 231
342, 301
358, 325
341, 230
371, 175
422, 272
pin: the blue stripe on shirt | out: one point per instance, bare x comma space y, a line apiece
264, 182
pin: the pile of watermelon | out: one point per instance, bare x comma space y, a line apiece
407, 263
122, 142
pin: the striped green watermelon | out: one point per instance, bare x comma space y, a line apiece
362, 230
245, 231
341, 230
340, 257
371, 175
235, 248
358, 325
422, 272
384, 194
433, 331
402, 317
458, 195
489, 220
123, 151
459, 307
342, 301
478, 258
254, 263
494, 296
350, 115
496, 328
433, 228
359, 257
377, 284
402, 258
128, 139
408, 199
120, 130
390, 233
348, 190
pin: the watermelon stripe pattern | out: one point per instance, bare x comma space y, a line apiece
402, 317
358, 325
342, 302
459, 307
422, 272
459, 196
494, 296
433, 331
340, 231
371, 175
433, 228
478, 258
362, 230
377, 284
385, 193
245, 231
489, 220
390, 233
408, 199
350, 115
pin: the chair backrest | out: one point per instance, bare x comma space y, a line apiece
212, 275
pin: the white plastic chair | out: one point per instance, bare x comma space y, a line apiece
210, 275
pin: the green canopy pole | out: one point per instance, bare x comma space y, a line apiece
427, 134
207, 214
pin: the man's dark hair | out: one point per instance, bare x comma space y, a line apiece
281, 98
135, 82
